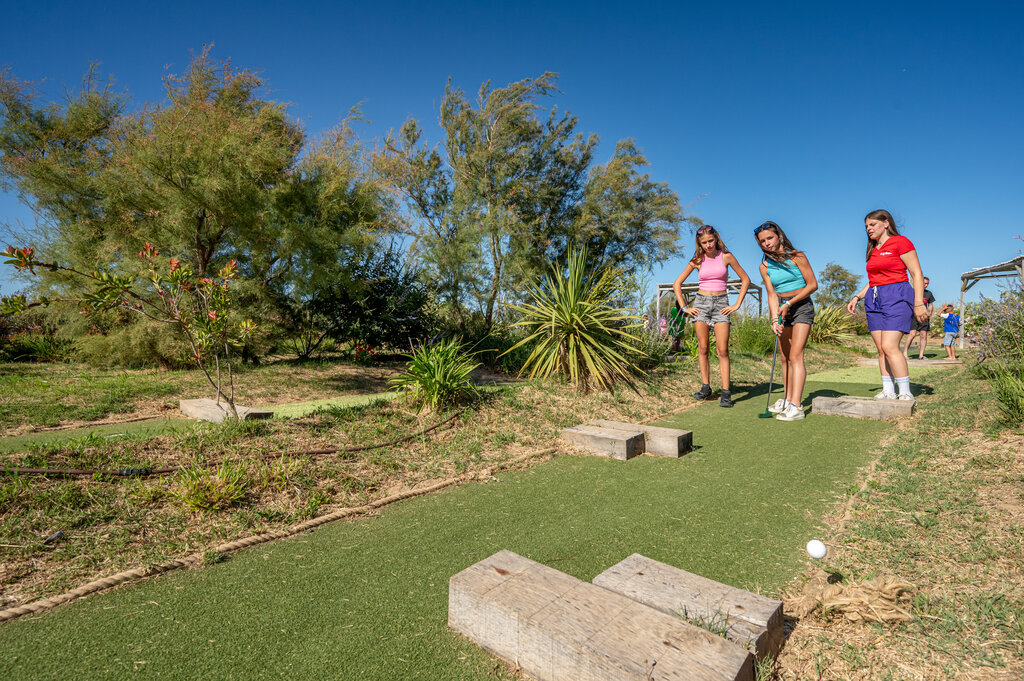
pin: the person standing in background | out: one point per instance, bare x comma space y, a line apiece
921, 328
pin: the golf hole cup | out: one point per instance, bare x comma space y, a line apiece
816, 549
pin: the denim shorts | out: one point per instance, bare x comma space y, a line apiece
802, 312
949, 337
890, 307
711, 308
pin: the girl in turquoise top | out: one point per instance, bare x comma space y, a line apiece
789, 281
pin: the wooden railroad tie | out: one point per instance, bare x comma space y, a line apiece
747, 619
862, 407
555, 627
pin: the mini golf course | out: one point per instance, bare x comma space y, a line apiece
368, 598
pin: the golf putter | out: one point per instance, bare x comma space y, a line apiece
767, 414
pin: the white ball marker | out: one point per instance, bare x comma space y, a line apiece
816, 549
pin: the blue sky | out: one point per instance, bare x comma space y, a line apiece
809, 114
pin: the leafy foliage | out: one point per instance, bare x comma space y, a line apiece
998, 330
204, 490
832, 325
38, 347
381, 301
577, 331
216, 173
836, 285
508, 192
751, 336
198, 308
438, 376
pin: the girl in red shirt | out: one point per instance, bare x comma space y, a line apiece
890, 300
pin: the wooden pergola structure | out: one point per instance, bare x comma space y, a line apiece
689, 290
1010, 268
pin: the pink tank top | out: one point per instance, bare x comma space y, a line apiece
712, 273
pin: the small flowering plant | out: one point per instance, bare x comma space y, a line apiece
363, 353
166, 291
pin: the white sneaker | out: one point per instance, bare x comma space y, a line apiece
779, 405
906, 397
791, 413
885, 396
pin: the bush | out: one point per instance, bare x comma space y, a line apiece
576, 330
204, 490
833, 325
652, 349
500, 350
1000, 339
1009, 385
38, 347
751, 336
438, 376
138, 345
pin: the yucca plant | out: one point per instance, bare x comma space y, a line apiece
833, 325
438, 376
576, 329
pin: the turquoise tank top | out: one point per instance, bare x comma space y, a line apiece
785, 278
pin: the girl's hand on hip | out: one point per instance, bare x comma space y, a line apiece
692, 311
729, 309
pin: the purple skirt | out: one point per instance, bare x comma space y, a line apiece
890, 307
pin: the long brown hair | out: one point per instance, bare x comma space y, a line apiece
786, 248
880, 215
698, 257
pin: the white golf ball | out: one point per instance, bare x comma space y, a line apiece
816, 549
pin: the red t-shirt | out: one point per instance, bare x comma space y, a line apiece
885, 265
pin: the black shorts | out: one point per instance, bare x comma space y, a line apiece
924, 326
801, 312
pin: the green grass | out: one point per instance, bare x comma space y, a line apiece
368, 599
140, 429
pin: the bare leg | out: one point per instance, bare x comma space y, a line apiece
888, 343
722, 345
796, 369
910, 341
923, 343
703, 341
785, 341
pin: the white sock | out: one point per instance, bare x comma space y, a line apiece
887, 386
904, 385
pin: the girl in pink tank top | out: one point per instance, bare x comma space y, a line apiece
711, 305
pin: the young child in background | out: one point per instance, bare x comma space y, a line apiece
951, 327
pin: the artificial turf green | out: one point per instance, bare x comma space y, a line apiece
367, 599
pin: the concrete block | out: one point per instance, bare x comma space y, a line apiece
617, 444
669, 442
209, 410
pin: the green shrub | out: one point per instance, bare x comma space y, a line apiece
833, 325
438, 376
204, 490
576, 330
38, 347
500, 350
652, 349
1009, 385
751, 336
